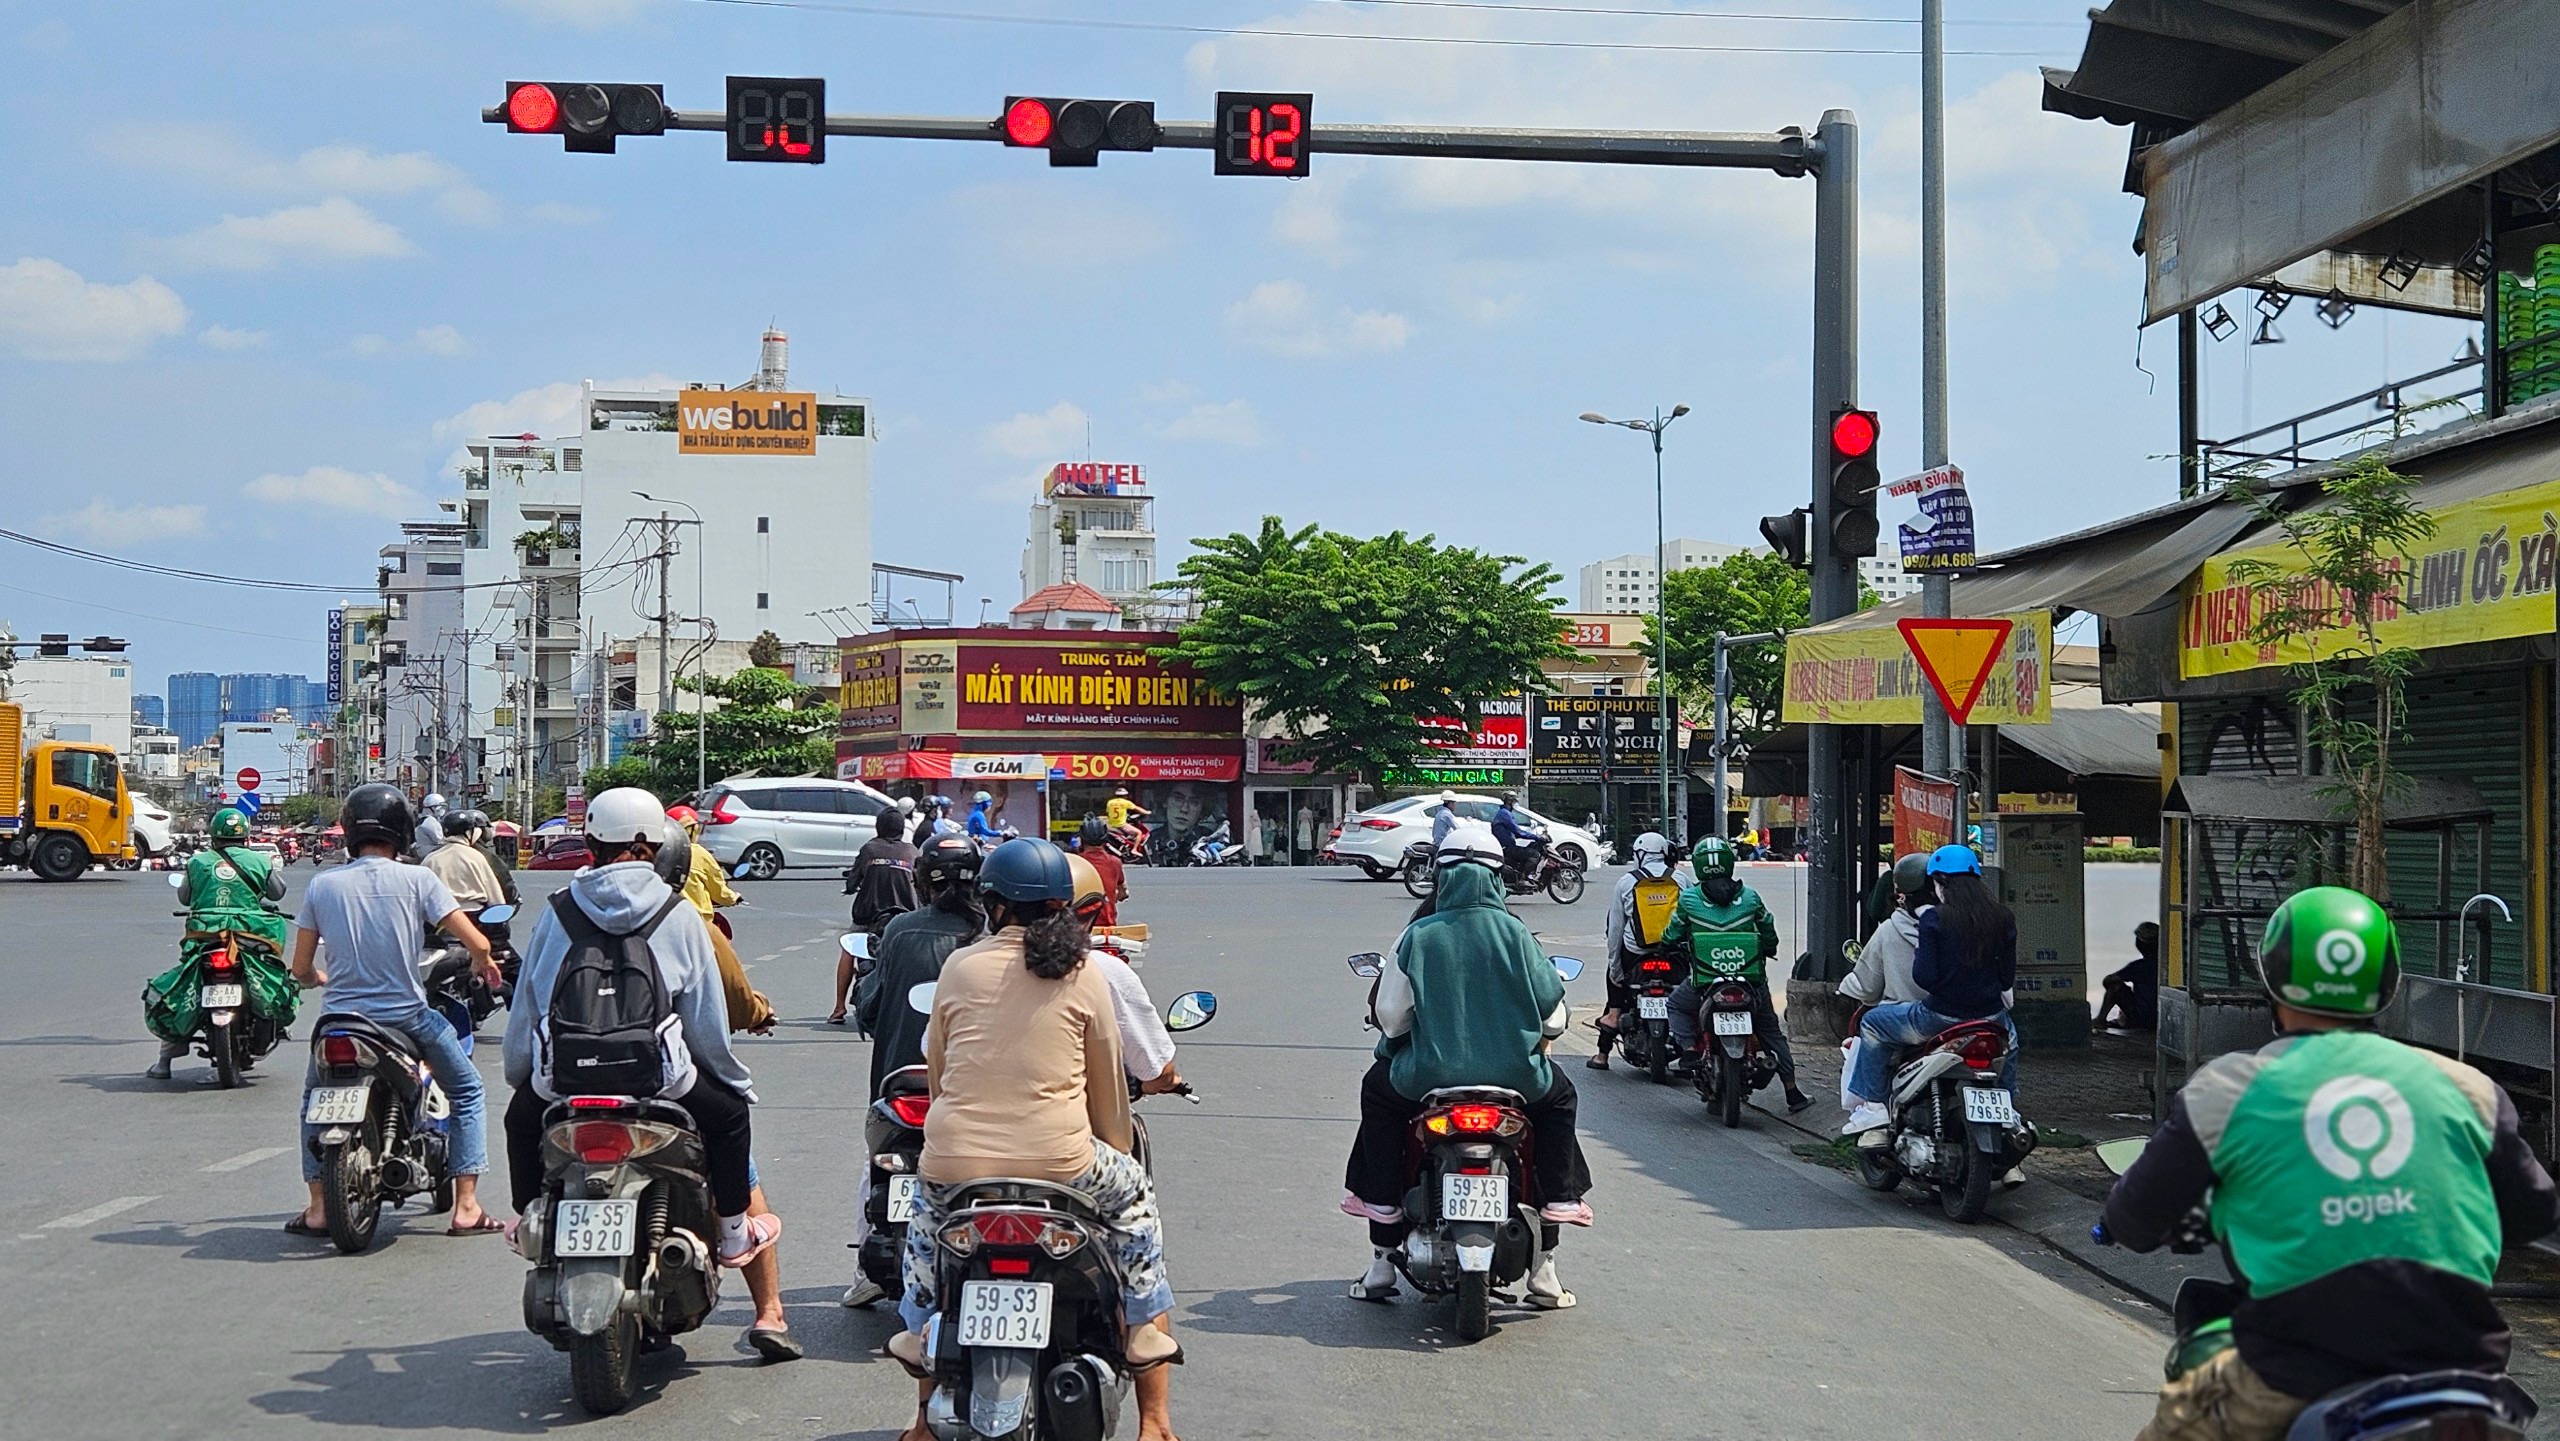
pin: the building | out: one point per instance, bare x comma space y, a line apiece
76, 698
1094, 526
1624, 584
154, 756
422, 692
150, 710
195, 707
1066, 606
1884, 575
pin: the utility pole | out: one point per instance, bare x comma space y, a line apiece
1941, 742
1725, 646
1827, 918
666, 611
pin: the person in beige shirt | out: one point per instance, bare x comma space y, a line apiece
466, 873
1022, 1056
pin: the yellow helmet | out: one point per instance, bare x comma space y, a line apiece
1087, 885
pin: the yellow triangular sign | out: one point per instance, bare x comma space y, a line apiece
1956, 656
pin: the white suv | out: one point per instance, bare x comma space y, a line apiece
1376, 839
153, 828
777, 824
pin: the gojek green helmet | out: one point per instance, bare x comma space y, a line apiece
228, 824
2330, 950
1713, 856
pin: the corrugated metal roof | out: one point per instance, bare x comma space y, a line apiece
2171, 63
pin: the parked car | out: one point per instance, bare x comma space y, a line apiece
773, 825
154, 829
560, 853
1376, 839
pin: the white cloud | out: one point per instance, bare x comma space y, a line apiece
48, 312
220, 156
333, 229
1045, 436
1230, 422
107, 524
1282, 318
553, 212
438, 340
331, 487
1309, 218
224, 337
546, 410
1165, 392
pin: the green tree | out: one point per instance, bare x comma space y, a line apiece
630, 770
305, 810
1743, 594
765, 724
765, 650
1353, 644
2348, 565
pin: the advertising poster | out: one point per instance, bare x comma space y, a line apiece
1924, 812
1087, 686
1942, 541
868, 699
1867, 676
1500, 740
747, 422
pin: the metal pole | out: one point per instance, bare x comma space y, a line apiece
1835, 576
666, 611
1725, 646
1661, 643
1941, 752
2190, 421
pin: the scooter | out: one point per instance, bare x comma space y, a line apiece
1953, 1126
1644, 1039
1731, 1063
234, 1028
1217, 848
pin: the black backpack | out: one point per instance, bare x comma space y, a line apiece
609, 1008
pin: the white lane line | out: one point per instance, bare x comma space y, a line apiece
246, 1159
99, 1212
801, 947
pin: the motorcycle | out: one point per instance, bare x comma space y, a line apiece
1562, 880
2472, 1405
1952, 1125
1027, 1343
1217, 848
386, 1123
1645, 1038
1131, 843
233, 1027
479, 999
1731, 1063
1473, 1202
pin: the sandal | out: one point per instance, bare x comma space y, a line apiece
760, 1239
487, 1225
774, 1345
300, 1227
836, 1020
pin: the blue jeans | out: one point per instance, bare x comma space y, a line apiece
442, 1050
1908, 1023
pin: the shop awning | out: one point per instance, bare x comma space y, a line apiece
2309, 801
2080, 742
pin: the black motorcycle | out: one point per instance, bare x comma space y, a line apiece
1027, 1342
1731, 1062
1474, 1198
1561, 879
893, 1135
234, 1028
1644, 1038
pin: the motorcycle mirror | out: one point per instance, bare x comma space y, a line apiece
920, 998
1850, 951
741, 871
855, 944
177, 880
1191, 1010
1566, 966
497, 915
2119, 1156
1368, 965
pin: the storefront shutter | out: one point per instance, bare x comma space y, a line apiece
2467, 727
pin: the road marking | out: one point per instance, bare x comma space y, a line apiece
99, 1212
802, 947
246, 1159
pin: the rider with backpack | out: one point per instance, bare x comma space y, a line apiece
620, 995
1639, 915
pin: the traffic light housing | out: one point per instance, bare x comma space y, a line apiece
1790, 536
1076, 132
774, 118
53, 644
1854, 482
586, 117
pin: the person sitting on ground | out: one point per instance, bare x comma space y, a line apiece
2132, 994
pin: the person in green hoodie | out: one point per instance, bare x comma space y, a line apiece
1469, 1000
1726, 930
229, 888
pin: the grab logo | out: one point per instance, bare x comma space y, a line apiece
2359, 1127
2340, 953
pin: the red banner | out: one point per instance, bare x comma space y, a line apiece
1079, 766
1500, 738
1924, 812
1087, 686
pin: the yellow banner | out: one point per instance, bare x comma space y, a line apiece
2486, 574
1868, 677
746, 422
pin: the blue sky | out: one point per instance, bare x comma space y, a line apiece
263, 270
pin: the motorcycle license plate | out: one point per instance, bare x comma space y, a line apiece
1986, 1103
1653, 1008
594, 1228
902, 1197
1733, 1023
222, 998
1475, 1198
1009, 1314
334, 1105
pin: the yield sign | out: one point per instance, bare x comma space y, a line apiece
1956, 656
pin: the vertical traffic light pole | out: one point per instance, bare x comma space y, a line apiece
1835, 575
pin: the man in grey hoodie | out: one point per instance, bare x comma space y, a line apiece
620, 894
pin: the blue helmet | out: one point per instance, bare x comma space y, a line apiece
1028, 870
1954, 861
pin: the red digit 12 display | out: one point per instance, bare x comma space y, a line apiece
1262, 133
777, 119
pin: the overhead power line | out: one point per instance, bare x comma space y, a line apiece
215, 578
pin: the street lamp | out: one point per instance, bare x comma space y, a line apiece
1661, 620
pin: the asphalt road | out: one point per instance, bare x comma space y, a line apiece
1730, 1289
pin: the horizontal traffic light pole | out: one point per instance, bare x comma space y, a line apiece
1786, 152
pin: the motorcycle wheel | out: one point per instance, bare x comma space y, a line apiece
225, 1046
1877, 1170
1965, 1201
1729, 1084
1658, 1065
1565, 886
351, 1194
1417, 881
1475, 1305
600, 1366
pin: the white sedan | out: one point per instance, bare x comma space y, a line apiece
1376, 839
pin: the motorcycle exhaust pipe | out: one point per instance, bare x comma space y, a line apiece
683, 1251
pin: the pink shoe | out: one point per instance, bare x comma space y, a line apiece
1383, 1215
762, 1232
1566, 1213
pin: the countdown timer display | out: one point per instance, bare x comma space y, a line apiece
777, 119
1262, 132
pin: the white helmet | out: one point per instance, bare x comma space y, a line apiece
434, 803
625, 814
981, 798
1448, 798
1651, 854
906, 805
1470, 843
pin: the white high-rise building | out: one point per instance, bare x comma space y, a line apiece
1094, 525
757, 497
1624, 584
1883, 574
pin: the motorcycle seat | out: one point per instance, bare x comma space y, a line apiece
904, 1081
1015, 1191
383, 1036
650, 1109
1480, 1095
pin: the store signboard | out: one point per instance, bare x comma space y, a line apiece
1267, 759
1866, 675
1499, 739
868, 699
1584, 739
1451, 777
1124, 767
337, 657
929, 686
1068, 766
746, 422
1112, 687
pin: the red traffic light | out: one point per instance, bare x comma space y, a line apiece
1853, 432
1027, 122
533, 108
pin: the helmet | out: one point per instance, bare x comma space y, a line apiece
685, 816
2332, 951
1712, 856
228, 824
948, 861
938, 802
1448, 798
377, 813
1470, 843
981, 798
1511, 798
1088, 885
434, 803
1651, 853
1027, 869
906, 805
1119, 790
1911, 873
625, 814
1954, 861
1095, 831
466, 823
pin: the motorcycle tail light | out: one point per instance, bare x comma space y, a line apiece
609, 1143
1982, 1050
910, 1110
1008, 1265
1738, 997
1060, 1240
1473, 1119
1009, 1228
338, 1050
596, 1103
1654, 968
220, 960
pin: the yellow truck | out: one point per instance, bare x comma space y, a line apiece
63, 804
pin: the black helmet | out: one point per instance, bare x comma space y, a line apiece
378, 813
1027, 870
948, 861
467, 824
1094, 832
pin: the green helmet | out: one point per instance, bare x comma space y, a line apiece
1712, 856
2330, 950
229, 824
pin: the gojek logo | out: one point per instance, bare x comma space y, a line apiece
2340, 953
2359, 1127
